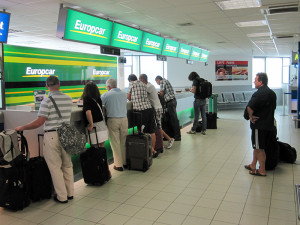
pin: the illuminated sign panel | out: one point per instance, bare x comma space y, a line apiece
170, 48
204, 56
195, 54
126, 37
86, 28
184, 51
152, 43
4, 26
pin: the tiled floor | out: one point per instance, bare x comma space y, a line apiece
200, 181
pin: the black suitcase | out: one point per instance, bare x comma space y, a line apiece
40, 182
138, 149
287, 153
94, 165
14, 181
272, 151
159, 144
211, 120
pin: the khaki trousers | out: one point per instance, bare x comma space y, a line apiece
60, 166
118, 130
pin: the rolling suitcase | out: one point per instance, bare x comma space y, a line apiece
211, 120
272, 151
94, 164
138, 151
40, 182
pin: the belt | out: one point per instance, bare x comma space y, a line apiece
47, 131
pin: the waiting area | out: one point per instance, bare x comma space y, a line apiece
200, 181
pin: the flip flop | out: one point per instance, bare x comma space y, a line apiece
257, 173
248, 167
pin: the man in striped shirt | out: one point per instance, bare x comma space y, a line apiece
58, 160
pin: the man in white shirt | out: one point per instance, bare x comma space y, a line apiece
154, 100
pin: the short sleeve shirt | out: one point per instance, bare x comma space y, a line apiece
153, 96
90, 104
263, 104
47, 110
139, 98
167, 88
197, 83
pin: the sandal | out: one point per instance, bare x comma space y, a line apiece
257, 173
248, 167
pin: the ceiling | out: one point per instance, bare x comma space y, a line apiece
33, 23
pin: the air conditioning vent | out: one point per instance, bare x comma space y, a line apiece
283, 36
186, 24
271, 10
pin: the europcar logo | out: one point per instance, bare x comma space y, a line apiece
84, 28
196, 54
38, 72
152, 44
171, 48
184, 51
100, 73
123, 37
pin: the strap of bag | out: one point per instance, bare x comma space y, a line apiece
100, 109
24, 145
56, 108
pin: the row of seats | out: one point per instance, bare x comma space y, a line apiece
237, 99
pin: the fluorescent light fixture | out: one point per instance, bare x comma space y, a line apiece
238, 4
256, 23
266, 34
264, 41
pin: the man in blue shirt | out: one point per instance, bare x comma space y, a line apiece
115, 102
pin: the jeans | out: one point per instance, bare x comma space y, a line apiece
200, 106
171, 109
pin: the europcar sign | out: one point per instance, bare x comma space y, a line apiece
195, 54
152, 43
204, 56
170, 48
78, 26
184, 51
126, 37
4, 26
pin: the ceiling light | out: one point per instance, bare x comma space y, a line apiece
238, 4
256, 23
259, 34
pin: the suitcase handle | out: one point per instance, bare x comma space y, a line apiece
40, 135
95, 134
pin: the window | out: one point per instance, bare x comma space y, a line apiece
286, 71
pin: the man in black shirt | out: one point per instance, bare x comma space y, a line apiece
261, 108
199, 104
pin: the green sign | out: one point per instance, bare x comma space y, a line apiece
170, 48
195, 54
204, 56
152, 43
86, 28
126, 37
26, 70
184, 51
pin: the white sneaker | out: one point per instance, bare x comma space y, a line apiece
203, 132
171, 142
191, 132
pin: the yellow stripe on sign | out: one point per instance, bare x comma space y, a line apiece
149, 46
18, 92
13, 59
127, 42
101, 76
81, 32
57, 56
42, 75
19, 100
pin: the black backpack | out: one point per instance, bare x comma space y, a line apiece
287, 153
205, 89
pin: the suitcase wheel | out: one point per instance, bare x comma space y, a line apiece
128, 164
145, 166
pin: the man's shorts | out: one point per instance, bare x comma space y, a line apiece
148, 120
158, 115
260, 138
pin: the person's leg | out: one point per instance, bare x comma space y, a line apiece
67, 169
196, 114
114, 135
261, 157
203, 114
52, 154
171, 109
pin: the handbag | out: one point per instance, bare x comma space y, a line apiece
69, 137
103, 132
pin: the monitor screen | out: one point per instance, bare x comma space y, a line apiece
126, 37
195, 54
152, 43
184, 51
170, 48
4, 26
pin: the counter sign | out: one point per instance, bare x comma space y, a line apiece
4, 26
